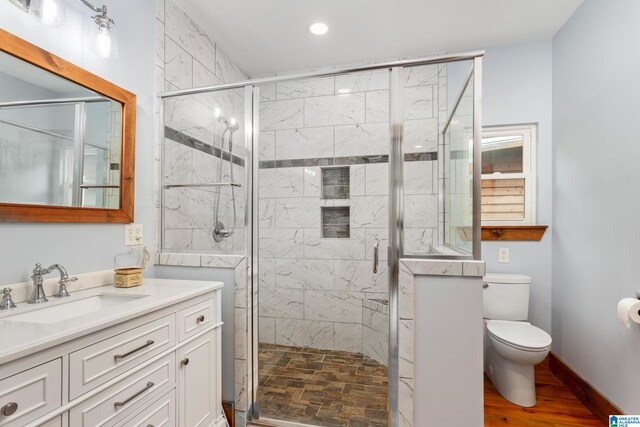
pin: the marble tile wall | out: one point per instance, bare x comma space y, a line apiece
312, 288
375, 329
186, 57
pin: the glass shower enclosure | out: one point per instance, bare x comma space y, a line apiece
324, 181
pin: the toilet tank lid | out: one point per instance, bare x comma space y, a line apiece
506, 278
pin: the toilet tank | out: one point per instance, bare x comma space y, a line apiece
506, 296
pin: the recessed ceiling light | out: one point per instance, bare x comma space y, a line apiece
318, 28
344, 91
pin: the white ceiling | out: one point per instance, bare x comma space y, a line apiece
269, 36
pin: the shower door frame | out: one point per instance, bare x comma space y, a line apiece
396, 191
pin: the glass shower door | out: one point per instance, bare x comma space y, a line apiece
323, 207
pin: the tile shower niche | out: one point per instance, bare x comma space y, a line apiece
335, 183
335, 222
335, 219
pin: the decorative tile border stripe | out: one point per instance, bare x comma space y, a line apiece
421, 157
196, 144
340, 161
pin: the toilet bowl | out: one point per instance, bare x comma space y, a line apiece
513, 349
512, 345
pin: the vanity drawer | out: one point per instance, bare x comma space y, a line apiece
125, 397
98, 363
161, 413
56, 422
31, 394
195, 319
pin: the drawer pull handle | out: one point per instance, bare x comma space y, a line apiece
200, 318
9, 409
185, 361
124, 402
129, 353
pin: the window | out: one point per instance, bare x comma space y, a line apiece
508, 175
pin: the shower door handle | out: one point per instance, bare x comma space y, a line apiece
375, 257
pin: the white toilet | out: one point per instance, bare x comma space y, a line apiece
512, 345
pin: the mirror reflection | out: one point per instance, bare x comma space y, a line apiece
60, 143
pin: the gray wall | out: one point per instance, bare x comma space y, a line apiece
89, 247
596, 203
517, 89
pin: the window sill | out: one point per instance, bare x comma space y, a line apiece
513, 232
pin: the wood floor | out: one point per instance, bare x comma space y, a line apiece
556, 406
330, 388
321, 387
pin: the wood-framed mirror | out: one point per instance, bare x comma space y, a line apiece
67, 140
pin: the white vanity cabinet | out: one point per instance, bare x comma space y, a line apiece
198, 381
161, 368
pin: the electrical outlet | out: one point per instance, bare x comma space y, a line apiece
503, 255
133, 234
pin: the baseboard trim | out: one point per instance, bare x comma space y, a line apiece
585, 392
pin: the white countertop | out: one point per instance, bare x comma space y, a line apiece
21, 338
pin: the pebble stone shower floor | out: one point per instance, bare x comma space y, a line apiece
321, 387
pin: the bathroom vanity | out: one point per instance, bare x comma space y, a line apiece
105, 356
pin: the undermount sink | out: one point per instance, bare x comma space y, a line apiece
69, 310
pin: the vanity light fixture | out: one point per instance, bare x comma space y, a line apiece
103, 42
318, 28
50, 12
53, 14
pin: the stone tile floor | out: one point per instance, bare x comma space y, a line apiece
321, 387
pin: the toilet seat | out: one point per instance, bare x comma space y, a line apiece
521, 335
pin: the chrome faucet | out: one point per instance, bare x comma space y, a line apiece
7, 302
38, 295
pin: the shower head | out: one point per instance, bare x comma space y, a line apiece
233, 125
230, 123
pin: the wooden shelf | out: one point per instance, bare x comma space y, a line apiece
513, 232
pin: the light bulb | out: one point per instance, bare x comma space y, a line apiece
50, 12
318, 28
103, 42
217, 112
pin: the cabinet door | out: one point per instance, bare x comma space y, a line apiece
198, 382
